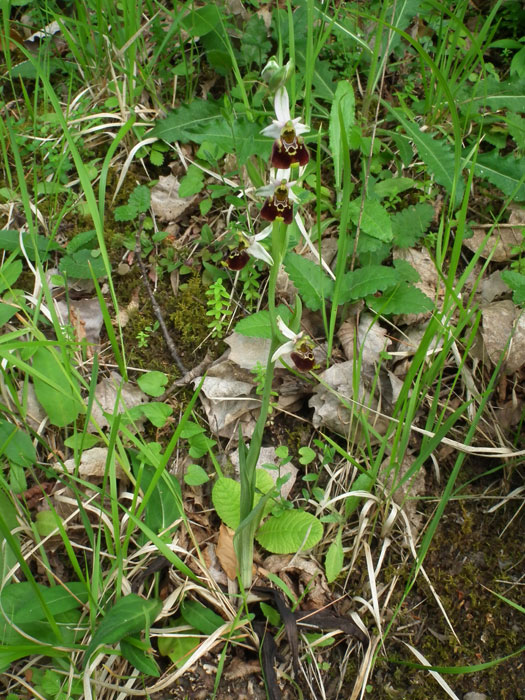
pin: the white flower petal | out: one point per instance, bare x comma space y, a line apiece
262, 234
267, 190
282, 106
273, 130
257, 251
283, 350
286, 331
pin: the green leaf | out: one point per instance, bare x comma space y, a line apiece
402, 299
188, 122
128, 615
364, 482
200, 617
16, 445
164, 506
516, 281
334, 558
410, 224
516, 125
83, 264
6, 313
139, 658
393, 186
258, 325
437, 155
10, 241
156, 412
342, 115
375, 220
494, 95
178, 649
58, 393
79, 440
192, 183
20, 603
254, 44
10, 271
226, 496
202, 21
358, 284
195, 475
124, 213
506, 173
153, 383
291, 531
314, 286
140, 199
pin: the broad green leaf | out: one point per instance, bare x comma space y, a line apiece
6, 313
258, 325
202, 21
516, 125
8, 518
334, 558
375, 220
437, 155
195, 475
157, 413
164, 506
10, 271
494, 95
58, 393
342, 115
200, 617
188, 122
410, 224
364, 482
178, 649
394, 186
22, 605
139, 658
128, 615
16, 445
402, 299
153, 383
358, 284
314, 285
226, 496
506, 173
289, 532
83, 264
10, 241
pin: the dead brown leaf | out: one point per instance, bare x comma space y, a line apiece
226, 553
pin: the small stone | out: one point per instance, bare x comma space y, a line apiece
475, 696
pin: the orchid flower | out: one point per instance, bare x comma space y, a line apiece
238, 258
298, 345
288, 148
279, 197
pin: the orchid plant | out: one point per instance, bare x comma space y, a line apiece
288, 160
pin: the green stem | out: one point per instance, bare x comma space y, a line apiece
245, 533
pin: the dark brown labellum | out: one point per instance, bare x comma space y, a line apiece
304, 361
236, 259
284, 154
278, 206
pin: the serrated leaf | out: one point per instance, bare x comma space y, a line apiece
258, 325
334, 558
291, 531
140, 199
226, 497
188, 122
156, 158
402, 299
394, 186
314, 286
342, 114
192, 182
409, 225
375, 220
516, 281
200, 617
128, 615
56, 390
516, 125
437, 155
124, 213
358, 284
493, 94
506, 173
254, 44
